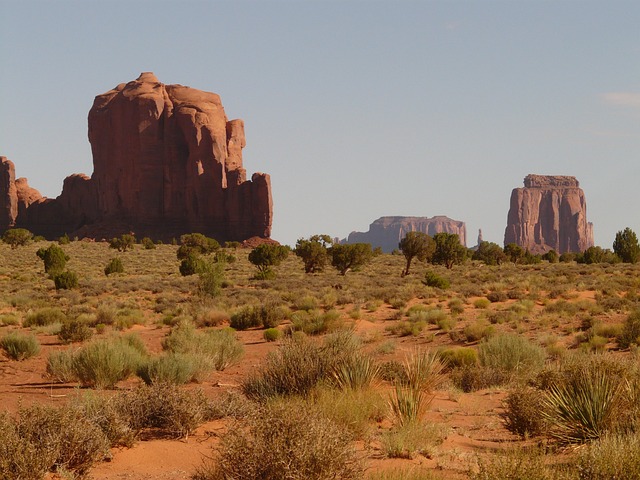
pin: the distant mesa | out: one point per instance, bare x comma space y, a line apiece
549, 213
166, 161
386, 232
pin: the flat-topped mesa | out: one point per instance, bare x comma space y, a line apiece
166, 161
386, 232
549, 213
550, 181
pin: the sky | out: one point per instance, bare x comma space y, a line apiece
357, 109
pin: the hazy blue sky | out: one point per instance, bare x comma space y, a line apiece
357, 109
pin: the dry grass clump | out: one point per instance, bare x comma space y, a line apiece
416, 438
611, 457
519, 464
44, 316
19, 346
522, 409
282, 442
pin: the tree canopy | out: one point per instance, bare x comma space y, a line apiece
448, 250
416, 245
626, 246
350, 256
313, 252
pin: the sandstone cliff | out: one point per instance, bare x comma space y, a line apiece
166, 161
386, 232
549, 213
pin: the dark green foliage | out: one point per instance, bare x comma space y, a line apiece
567, 257
232, 245
19, 346
551, 256
432, 279
64, 240
266, 256
247, 317
313, 252
17, 237
196, 243
350, 256
416, 245
74, 330
514, 252
124, 242
490, 253
597, 255
54, 259
211, 279
626, 246
630, 331
192, 264
448, 250
148, 244
114, 266
65, 280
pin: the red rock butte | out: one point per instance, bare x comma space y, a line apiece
166, 161
549, 213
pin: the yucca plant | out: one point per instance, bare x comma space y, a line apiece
357, 371
408, 405
584, 407
424, 371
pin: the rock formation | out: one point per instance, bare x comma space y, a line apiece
549, 213
166, 161
386, 232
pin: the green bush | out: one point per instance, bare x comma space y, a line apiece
630, 331
432, 279
191, 264
17, 237
74, 330
19, 346
512, 354
148, 244
272, 334
123, 243
459, 356
174, 368
54, 259
247, 317
43, 317
65, 280
114, 266
280, 442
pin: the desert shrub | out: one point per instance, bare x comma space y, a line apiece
191, 265
272, 334
315, 322
9, 319
19, 346
630, 331
478, 330
173, 368
456, 306
585, 406
74, 330
17, 237
272, 314
99, 364
522, 409
211, 279
411, 473
106, 315
219, 347
495, 297
279, 442
459, 356
470, 378
44, 316
512, 354
148, 244
198, 243
42, 439
306, 303
266, 256
432, 279
114, 266
612, 457
392, 371
54, 258
64, 240
404, 329
353, 409
210, 317
246, 317
175, 411
409, 440
481, 303
123, 243
66, 280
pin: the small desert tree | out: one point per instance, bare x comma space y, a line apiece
350, 256
313, 252
196, 243
448, 250
416, 245
489, 253
626, 246
266, 256
124, 242
514, 252
17, 237
54, 259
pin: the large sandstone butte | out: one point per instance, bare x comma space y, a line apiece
549, 213
386, 232
166, 161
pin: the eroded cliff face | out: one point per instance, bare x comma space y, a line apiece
386, 232
166, 161
549, 213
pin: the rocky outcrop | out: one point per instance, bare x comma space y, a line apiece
166, 161
549, 213
386, 232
